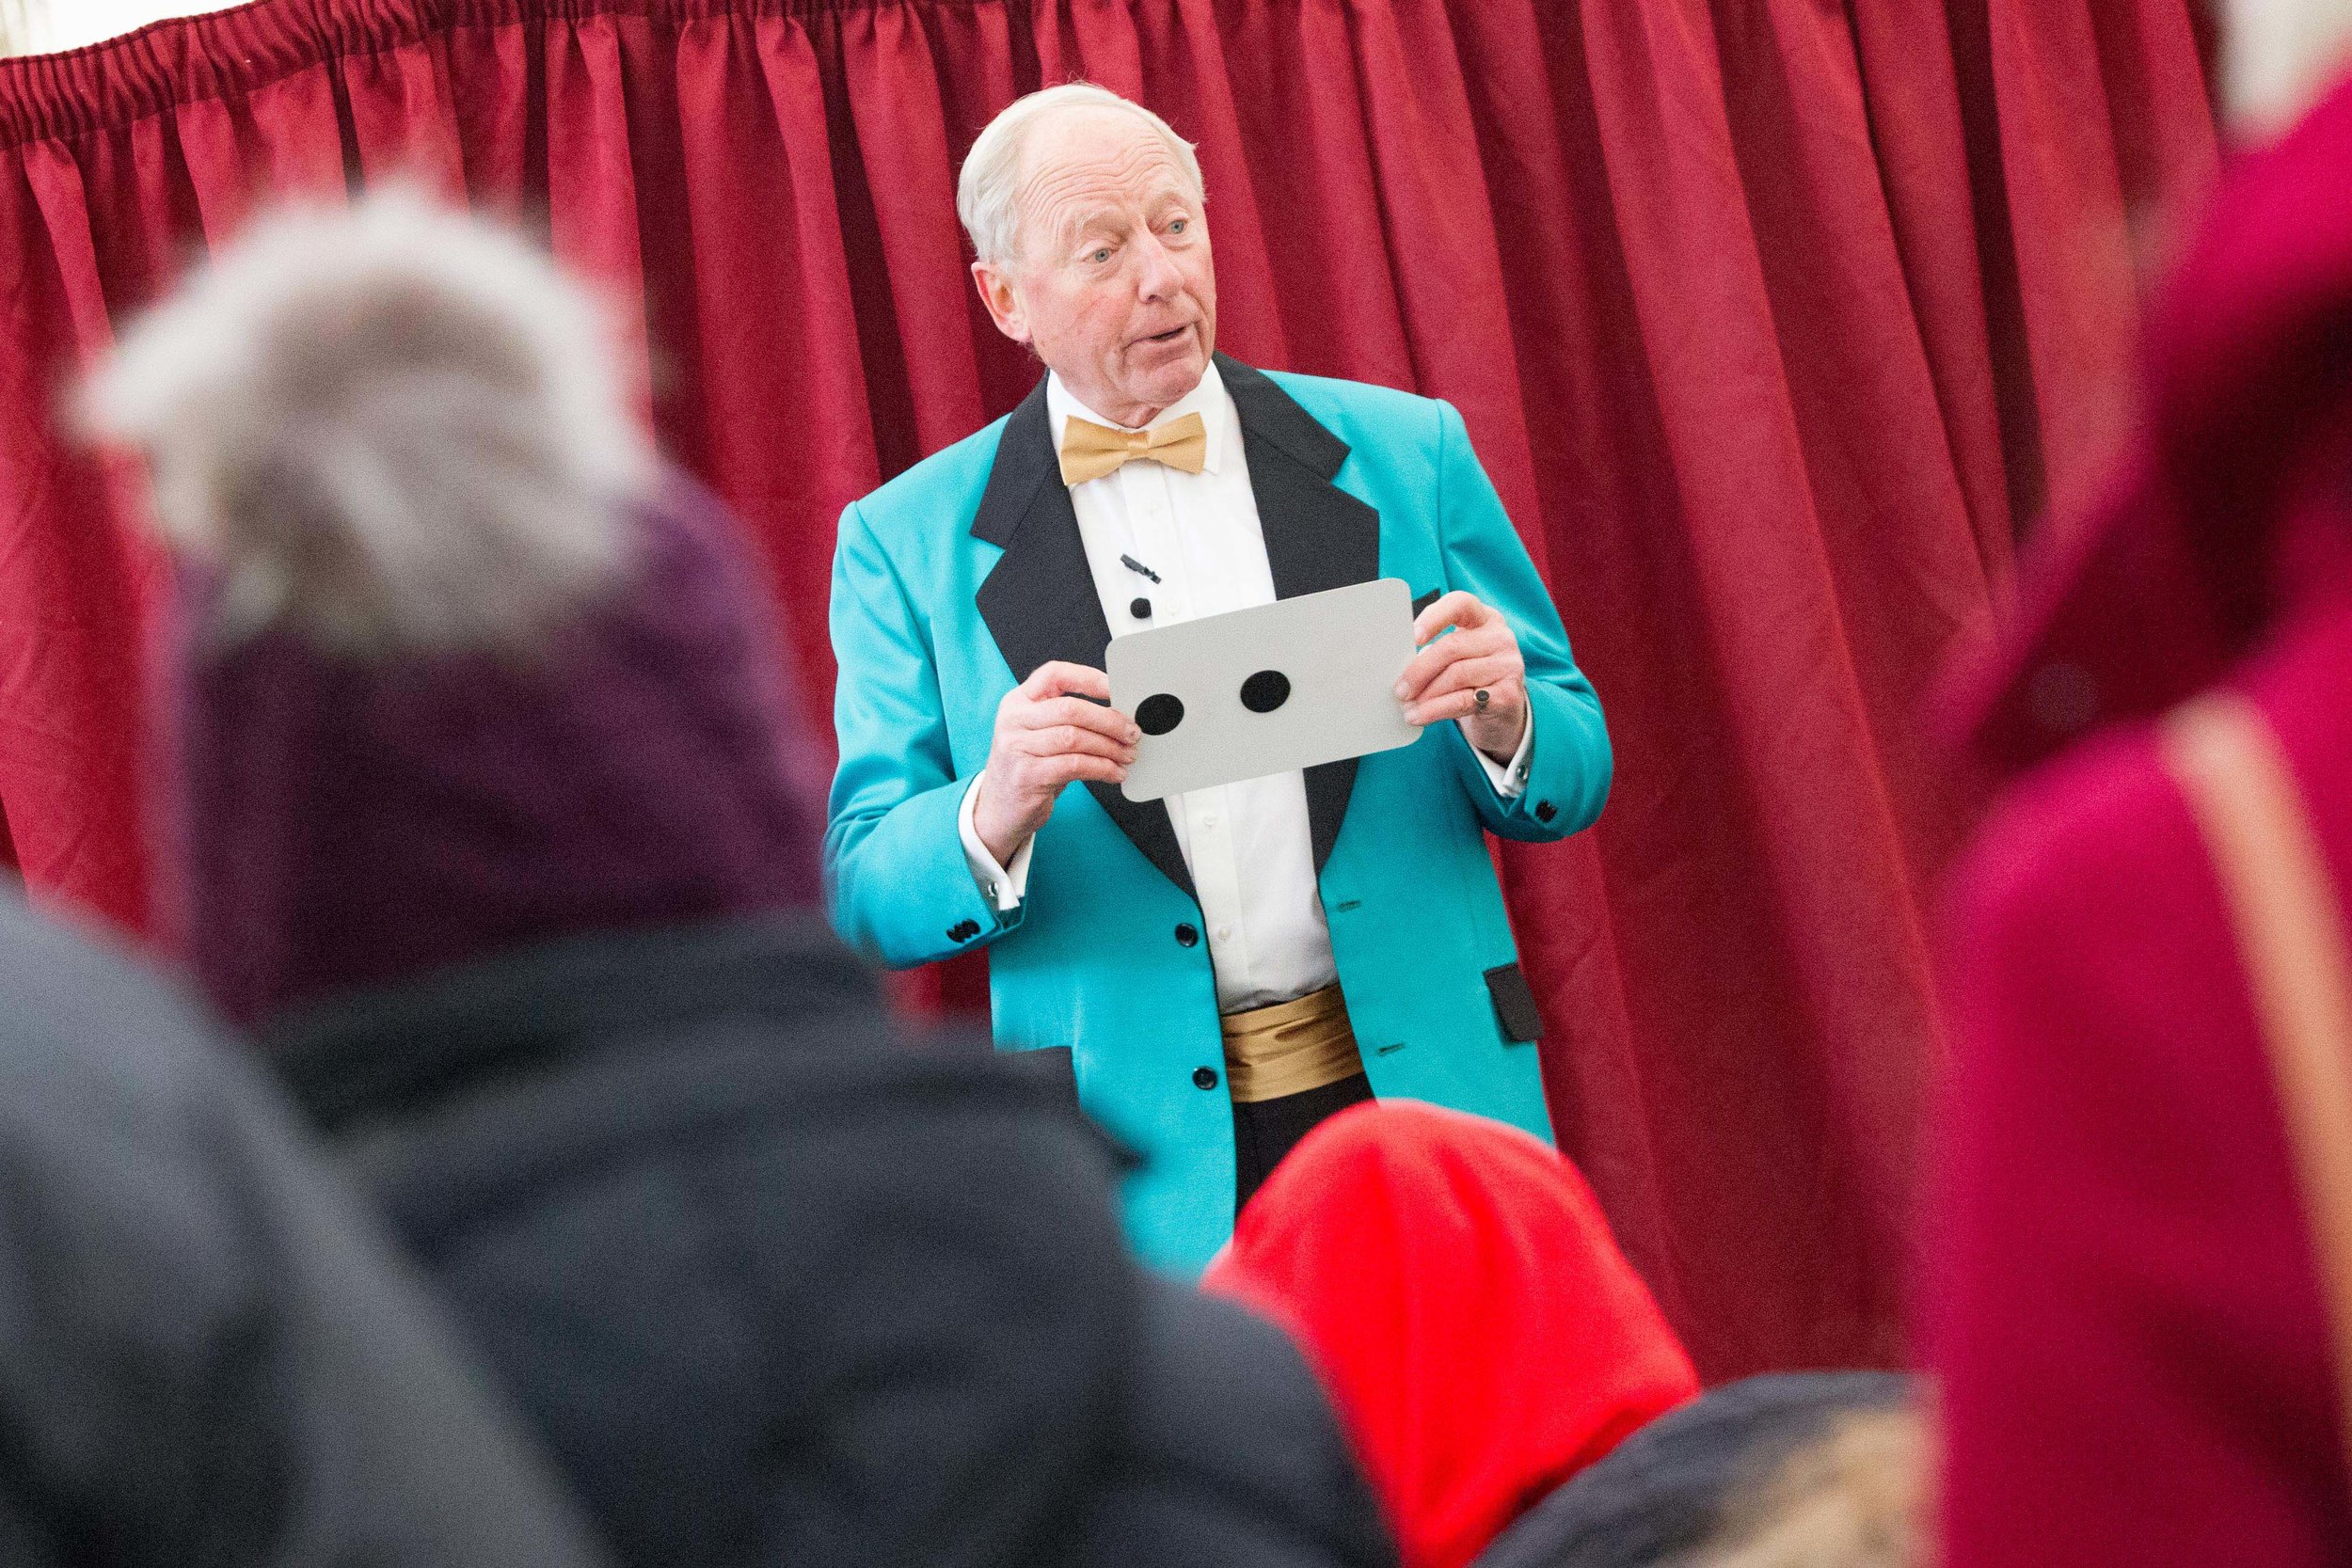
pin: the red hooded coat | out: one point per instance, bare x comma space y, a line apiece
1458, 1287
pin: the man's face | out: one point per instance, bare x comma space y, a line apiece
1113, 286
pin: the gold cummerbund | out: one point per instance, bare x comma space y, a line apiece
1290, 1047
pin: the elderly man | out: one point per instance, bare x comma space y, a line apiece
1219, 970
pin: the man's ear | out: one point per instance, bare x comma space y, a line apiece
1003, 301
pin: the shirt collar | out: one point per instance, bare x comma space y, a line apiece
1209, 400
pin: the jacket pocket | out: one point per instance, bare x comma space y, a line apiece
1051, 1067
1515, 1004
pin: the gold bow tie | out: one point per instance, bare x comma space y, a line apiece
1090, 451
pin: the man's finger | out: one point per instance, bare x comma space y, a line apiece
1057, 740
1453, 704
1076, 710
1073, 768
1060, 678
1425, 664
1468, 675
1458, 609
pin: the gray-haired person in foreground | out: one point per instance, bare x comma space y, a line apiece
207, 1355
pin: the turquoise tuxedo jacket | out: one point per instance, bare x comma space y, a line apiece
955, 581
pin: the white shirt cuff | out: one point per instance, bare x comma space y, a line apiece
1004, 888
1509, 778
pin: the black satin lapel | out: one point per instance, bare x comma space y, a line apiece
1038, 602
1146, 824
1317, 537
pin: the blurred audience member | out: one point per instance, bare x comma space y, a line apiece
1791, 1470
1458, 1287
2125, 1302
207, 1355
1856, 1497
2281, 57
491, 816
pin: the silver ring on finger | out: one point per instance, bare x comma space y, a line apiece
1479, 700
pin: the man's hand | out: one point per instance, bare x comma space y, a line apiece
1445, 677
1047, 734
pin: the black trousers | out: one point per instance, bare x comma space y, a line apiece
1266, 1130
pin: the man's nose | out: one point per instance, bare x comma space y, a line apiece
1156, 276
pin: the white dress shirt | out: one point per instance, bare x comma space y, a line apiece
1247, 845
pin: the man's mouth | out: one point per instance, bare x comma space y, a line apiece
1171, 335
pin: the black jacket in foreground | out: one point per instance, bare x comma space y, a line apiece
782, 1287
209, 1356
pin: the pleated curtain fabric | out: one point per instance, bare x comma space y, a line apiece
1773, 322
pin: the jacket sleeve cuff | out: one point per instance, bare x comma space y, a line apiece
1004, 887
1509, 778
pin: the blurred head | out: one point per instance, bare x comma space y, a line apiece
1457, 1288
1788, 1470
2232, 510
394, 428
454, 668
1854, 1496
1089, 220
2278, 56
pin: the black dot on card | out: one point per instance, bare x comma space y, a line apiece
1265, 691
1158, 714
1140, 609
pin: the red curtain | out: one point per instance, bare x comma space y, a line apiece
1771, 320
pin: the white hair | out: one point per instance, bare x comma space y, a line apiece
2278, 56
992, 172
393, 427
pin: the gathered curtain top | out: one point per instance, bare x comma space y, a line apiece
226, 53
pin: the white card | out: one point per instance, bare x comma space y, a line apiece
1266, 689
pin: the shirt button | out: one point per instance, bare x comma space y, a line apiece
1204, 1077
1187, 935
1208, 819
1224, 933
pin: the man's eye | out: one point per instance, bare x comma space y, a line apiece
1100, 256
1179, 226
